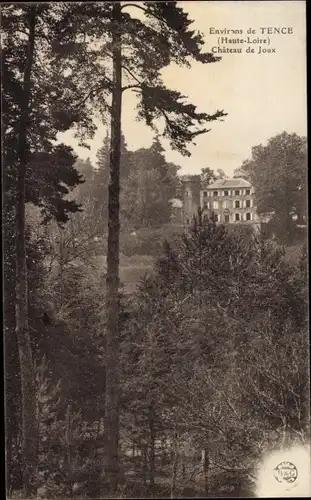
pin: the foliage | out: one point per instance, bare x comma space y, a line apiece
50, 174
35, 252
124, 45
148, 182
213, 344
203, 349
64, 443
70, 337
208, 175
278, 173
149, 187
30, 89
100, 182
162, 37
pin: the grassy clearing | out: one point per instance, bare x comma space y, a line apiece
132, 269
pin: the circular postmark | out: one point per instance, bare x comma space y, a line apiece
285, 472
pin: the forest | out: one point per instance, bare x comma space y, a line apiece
179, 385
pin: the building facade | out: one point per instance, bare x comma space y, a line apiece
229, 201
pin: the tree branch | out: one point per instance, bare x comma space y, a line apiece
105, 84
133, 5
145, 11
131, 87
132, 75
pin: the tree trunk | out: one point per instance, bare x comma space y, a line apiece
12, 393
206, 471
29, 425
112, 304
175, 465
8, 457
152, 449
68, 435
145, 465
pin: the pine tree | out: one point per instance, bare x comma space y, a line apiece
86, 168
29, 425
196, 348
84, 190
133, 51
156, 100
100, 182
151, 184
31, 122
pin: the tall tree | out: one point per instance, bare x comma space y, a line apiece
29, 425
207, 176
133, 50
156, 100
100, 183
278, 173
152, 182
31, 122
220, 174
85, 168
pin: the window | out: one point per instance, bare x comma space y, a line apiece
215, 193
226, 193
215, 205
226, 218
225, 204
248, 216
237, 204
205, 205
205, 194
237, 192
248, 191
216, 217
248, 203
237, 217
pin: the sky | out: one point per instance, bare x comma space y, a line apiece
263, 94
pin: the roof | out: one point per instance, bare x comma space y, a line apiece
229, 183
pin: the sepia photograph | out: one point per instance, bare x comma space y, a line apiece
155, 249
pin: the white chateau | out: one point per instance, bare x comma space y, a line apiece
231, 201
228, 201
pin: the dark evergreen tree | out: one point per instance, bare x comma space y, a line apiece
87, 170
215, 355
151, 184
100, 182
30, 91
138, 50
